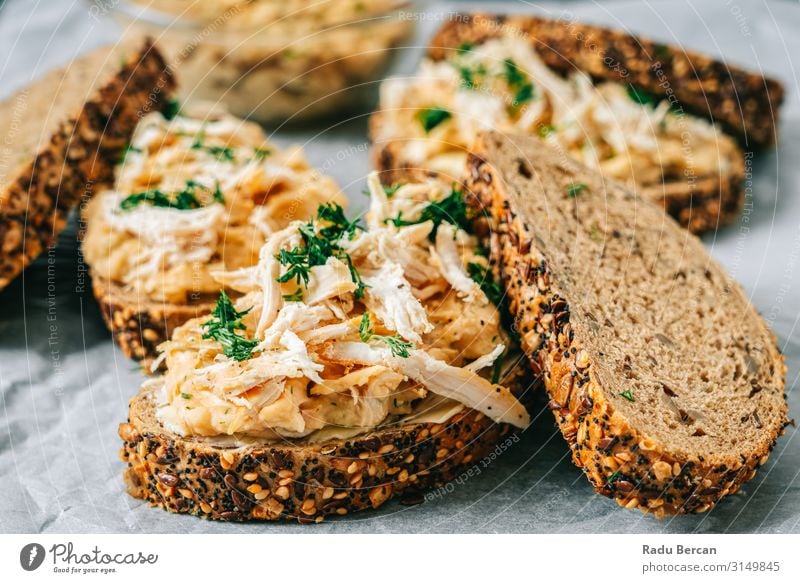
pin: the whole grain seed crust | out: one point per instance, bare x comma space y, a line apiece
305, 482
618, 459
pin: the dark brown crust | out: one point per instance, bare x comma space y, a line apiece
304, 482
138, 326
618, 460
745, 103
78, 159
704, 205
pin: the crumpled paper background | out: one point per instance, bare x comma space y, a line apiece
65, 386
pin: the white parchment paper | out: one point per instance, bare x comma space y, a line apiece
65, 386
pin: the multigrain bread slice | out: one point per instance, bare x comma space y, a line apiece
663, 378
62, 135
225, 186
298, 481
742, 103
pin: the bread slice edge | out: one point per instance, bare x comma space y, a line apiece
297, 481
139, 325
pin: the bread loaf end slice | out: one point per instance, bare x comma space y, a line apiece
68, 130
663, 378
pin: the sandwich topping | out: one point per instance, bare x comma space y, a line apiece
342, 326
504, 85
192, 196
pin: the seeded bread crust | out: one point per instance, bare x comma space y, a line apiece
704, 205
69, 129
745, 103
619, 460
296, 481
139, 326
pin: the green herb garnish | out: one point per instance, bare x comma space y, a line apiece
185, 396
472, 77
483, 277
218, 197
641, 96
465, 47
545, 130
320, 244
514, 76
661, 51
223, 153
396, 344
389, 190
185, 199
297, 296
152, 197
523, 95
575, 189
297, 265
171, 109
519, 82
497, 370
225, 320
355, 276
613, 477
339, 224
430, 117
495, 293
451, 209
261, 153
628, 394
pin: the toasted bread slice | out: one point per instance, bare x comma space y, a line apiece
700, 197
663, 378
301, 481
68, 130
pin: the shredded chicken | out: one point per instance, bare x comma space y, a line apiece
322, 351
503, 84
389, 297
446, 255
460, 384
245, 187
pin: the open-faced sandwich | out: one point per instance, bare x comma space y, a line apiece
49, 163
663, 378
194, 194
355, 363
669, 123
